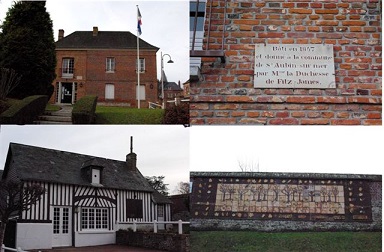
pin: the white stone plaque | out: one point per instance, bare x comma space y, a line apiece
294, 66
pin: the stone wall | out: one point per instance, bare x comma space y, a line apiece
285, 201
160, 241
226, 92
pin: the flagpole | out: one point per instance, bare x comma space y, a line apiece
138, 63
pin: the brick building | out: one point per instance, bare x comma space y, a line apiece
103, 63
227, 90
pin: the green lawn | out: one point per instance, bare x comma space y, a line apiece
124, 115
231, 241
52, 107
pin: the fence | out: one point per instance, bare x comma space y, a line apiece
155, 224
178, 101
4, 248
153, 105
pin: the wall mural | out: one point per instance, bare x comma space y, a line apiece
289, 199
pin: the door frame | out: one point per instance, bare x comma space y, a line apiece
63, 239
60, 93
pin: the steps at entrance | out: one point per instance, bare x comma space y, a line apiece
54, 118
63, 116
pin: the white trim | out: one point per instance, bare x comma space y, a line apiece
101, 231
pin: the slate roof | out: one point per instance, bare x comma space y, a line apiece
172, 86
103, 40
158, 198
41, 164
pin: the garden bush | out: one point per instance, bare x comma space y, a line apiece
25, 112
177, 114
84, 110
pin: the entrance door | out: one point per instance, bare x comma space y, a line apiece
61, 227
66, 92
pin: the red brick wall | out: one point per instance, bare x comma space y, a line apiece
226, 94
90, 65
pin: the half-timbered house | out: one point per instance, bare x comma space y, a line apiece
87, 198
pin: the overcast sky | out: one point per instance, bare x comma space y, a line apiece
349, 150
165, 24
161, 150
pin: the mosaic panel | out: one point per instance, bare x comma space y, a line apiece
281, 199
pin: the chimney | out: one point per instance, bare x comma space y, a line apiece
131, 158
95, 31
61, 34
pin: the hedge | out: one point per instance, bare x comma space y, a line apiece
177, 114
25, 112
84, 110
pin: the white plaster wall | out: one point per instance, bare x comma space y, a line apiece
94, 238
34, 236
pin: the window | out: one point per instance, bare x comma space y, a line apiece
60, 220
110, 65
56, 220
96, 176
67, 68
94, 218
134, 208
200, 16
109, 91
142, 92
142, 65
160, 211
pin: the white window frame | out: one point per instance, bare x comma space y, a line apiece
94, 219
142, 93
142, 65
110, 64
67, 67
109, 91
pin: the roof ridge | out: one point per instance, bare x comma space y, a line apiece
69, 152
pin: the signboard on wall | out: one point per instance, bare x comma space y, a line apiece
294, 66
284, 199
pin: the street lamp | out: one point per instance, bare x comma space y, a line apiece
162, 74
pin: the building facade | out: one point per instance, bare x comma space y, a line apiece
285, 201
104, 63
232, 88
87, 198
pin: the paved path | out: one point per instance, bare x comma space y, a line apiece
103, 248
63, 116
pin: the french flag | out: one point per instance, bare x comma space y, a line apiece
138, 21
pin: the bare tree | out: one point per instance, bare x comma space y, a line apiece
224, 188
300, 190
15, 197
275, 189
324, 193
231, 191
335, 192
243, 189
9, 79
248, 166
311, 193
288, 191
182, 188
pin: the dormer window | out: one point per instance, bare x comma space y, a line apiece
96, 176
92, 172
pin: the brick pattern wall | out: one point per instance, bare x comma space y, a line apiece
156, 241
226, 94
358, 206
